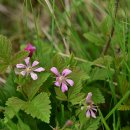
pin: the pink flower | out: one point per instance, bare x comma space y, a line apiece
91, 108
61, 79
30, 69
31, 49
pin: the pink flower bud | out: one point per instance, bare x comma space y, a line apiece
31, 49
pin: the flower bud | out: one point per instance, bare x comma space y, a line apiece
69, 123
31, 49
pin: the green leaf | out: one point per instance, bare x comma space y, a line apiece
124, 107
11, 125
14, 104
98, 74
21, 125
105, 60
5, 49
19, 57
91, 124
60, 95
39, 107
92, 37
97, 95
32, 87
58, 61
74, 95
5, 53
8, 89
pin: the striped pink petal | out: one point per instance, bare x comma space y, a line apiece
93, 114
64, 87
21, 66
66, 72
88, 113
94, 109
35, 63
70, 82
40, 69
27, 60
57, 83
55, 71
34, 76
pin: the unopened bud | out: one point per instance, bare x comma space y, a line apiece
69, 123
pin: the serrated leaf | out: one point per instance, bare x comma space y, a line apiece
105, 60
19, 57
32, 87
77, 99
74, 95
14, 104
58, 61
92, 37
39, 107
5, 52
91, 124
97, 95
124, 108
5, 49
99, 74
60, 95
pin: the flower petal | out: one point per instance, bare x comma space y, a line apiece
34, 76
57, 83
70, 82
94, 109
27, 60
21, 66
64, 87
88, 98
23, 73
88, 113
35, 63
93, 114
55, 71
40, 69
66, 72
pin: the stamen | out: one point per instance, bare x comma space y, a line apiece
28, 69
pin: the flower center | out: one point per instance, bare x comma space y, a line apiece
61, 78
28, 69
